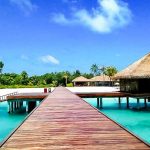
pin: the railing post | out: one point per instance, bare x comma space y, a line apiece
119, 102
145, 103
101, 102
98, 102
127, 102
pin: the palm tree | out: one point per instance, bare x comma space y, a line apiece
110, 71
94, 69
24, 78
66, 77
1, 66
102, 70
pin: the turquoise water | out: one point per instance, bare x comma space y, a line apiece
136, 121
8, 122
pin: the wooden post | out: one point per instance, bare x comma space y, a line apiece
11, 107
127, 102
8, 107
15, 105
145, 103
101, 102
119, 102
18, 104
138, 103
98, 102
21, 104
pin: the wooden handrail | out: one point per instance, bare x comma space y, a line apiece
4, 97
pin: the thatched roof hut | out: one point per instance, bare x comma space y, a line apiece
138, 70
136, 77
102, 78
81, 81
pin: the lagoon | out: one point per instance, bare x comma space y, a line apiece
8, 122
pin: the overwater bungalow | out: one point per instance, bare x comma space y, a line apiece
81, 81
102, 80
136, 77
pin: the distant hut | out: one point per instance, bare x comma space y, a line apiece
102, 80
136, 77
81, 81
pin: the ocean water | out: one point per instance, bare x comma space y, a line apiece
8, 122
136, 121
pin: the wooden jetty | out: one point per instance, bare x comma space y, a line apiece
15, 102
27, 96
32, 98
65, 121
119, 95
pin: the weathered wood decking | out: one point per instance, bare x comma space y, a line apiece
103, 94
65, 121
27, 96
113, 94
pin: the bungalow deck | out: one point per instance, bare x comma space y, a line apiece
65, 121
27, 96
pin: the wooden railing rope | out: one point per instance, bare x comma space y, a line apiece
4, 97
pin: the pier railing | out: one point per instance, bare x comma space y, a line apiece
4, 97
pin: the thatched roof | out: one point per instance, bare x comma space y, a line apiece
137, 70
81, 79
100, 78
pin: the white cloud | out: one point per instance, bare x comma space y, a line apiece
49, 59
60, 18
109, 15
25, 5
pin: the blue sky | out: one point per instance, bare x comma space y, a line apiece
42, 36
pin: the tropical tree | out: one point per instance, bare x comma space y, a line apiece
24, 78
88, 75
94, 69
110, 71
102, 70
33, 80
77, 73
65, 75
1, 66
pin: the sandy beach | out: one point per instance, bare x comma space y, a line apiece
72, 89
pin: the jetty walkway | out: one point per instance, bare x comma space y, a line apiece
65, 121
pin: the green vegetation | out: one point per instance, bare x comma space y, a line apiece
1, 66
23, 80
110, 71
64, 78
70, 85
95, 69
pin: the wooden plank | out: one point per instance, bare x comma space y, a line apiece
27, 96
103, 94
65, 121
